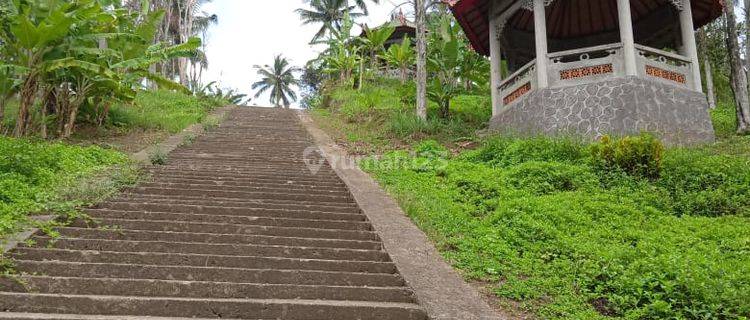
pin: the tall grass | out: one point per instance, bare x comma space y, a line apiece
161, 110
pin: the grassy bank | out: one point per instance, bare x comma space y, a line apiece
560, 229
42, 177
550, 230
381, 117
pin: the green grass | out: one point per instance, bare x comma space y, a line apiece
42, 177
552, 231
161, 110
381, 117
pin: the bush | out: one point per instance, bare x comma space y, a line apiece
724, 119
31, 173
503, 151
638, 156
161, 110
707, 185
532, 220
549, 177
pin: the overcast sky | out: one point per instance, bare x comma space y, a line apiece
251, 32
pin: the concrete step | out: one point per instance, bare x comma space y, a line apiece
210, 248
211, 274
279, 189
161, 204
225, 228
209, 308
245, 203
217, 238
241, 195
225, 210
201, 260
105, 215
201, 289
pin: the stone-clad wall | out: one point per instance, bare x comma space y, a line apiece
618, 107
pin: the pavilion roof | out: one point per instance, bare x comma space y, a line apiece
568, 18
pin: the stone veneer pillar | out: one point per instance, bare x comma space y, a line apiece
690, 50
540, 36
626, 36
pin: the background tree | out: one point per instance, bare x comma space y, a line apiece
329, 13
739, 77
420, 14
278, 79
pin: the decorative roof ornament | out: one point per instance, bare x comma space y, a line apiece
529, 4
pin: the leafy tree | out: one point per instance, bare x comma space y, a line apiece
329, 13
401, 56
73, 53
278, 79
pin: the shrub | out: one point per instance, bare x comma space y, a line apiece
724, 119
639, 156
549, 177
32, 172
158, 157
503, 151
707, 185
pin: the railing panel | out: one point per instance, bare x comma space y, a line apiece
664, 66
518, 84
585, 65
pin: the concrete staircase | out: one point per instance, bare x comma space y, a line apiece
234, 226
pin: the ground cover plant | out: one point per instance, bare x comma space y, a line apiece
43, 177
624, 228
380, 117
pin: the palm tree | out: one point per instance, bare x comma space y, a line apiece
279, 79
363, 6
330, 13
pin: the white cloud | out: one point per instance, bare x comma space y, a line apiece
251, 32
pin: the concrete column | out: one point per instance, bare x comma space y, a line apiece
626, 36
540, 36
688, 43
495, 65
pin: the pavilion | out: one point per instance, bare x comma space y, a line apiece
594, 67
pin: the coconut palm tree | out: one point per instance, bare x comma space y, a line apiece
279, 79
329, 13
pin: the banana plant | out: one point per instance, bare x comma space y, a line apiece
443, 63
401, 56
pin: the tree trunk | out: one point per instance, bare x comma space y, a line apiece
739, 77
361, 73
28, 96
421, 78
445, 109
747, 37
3, 102
708, 69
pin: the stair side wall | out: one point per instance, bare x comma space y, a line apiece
618, 107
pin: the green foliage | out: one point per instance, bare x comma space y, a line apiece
504, 151
382, 113
724, 119
535, 219
158, 157
77, 54
639, 156
161, 110
707, 185
546, 177
33, 173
